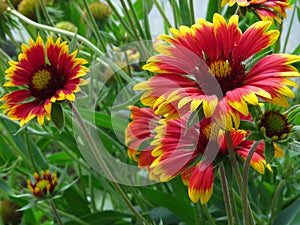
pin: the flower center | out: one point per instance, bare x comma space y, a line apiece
41, 79
220, 69
223, 75
275, 124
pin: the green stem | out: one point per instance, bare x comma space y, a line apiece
56, 215
94, 26
275, 199
45, 12
103, 165
278, 42
238, 177
57, 30
136, 35
233, 204
120, 19
192, 10
66, 215
162, 13
135, 17
208, 215
173, 5
227, 199
290, 28
198, 214
245, 177
92, 193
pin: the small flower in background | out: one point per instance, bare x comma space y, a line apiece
216, 76
266, 9
100, 10
3, 7
66, 25
9, 212
42, 185
28, 8
167, 148
46, 75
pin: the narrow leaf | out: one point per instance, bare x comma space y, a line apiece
57, 116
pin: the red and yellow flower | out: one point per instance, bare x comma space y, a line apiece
42, 185
205, 65
266, 9
43, 75
173, 148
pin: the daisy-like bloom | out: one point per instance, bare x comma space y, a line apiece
44, 75
205, 65
43, 184
193, 153
138, 133
266, 9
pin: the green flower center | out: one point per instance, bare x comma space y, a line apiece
275, 124
43, 184
41, 79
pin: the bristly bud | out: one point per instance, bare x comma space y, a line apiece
100, 10
44, 184
274, 125
28, 8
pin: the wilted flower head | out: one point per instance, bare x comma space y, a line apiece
42, 185
45, 75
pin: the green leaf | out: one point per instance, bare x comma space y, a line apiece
60, 158
255, 112
57, 116
104, 218
269, 151
288, 215
297, 50
195, 117
247, 125
176, 204
140, 8
5, 188
185, 12
103, 120
72, 45
293, 113
211, 9
255, 135
74, 203
28, 206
